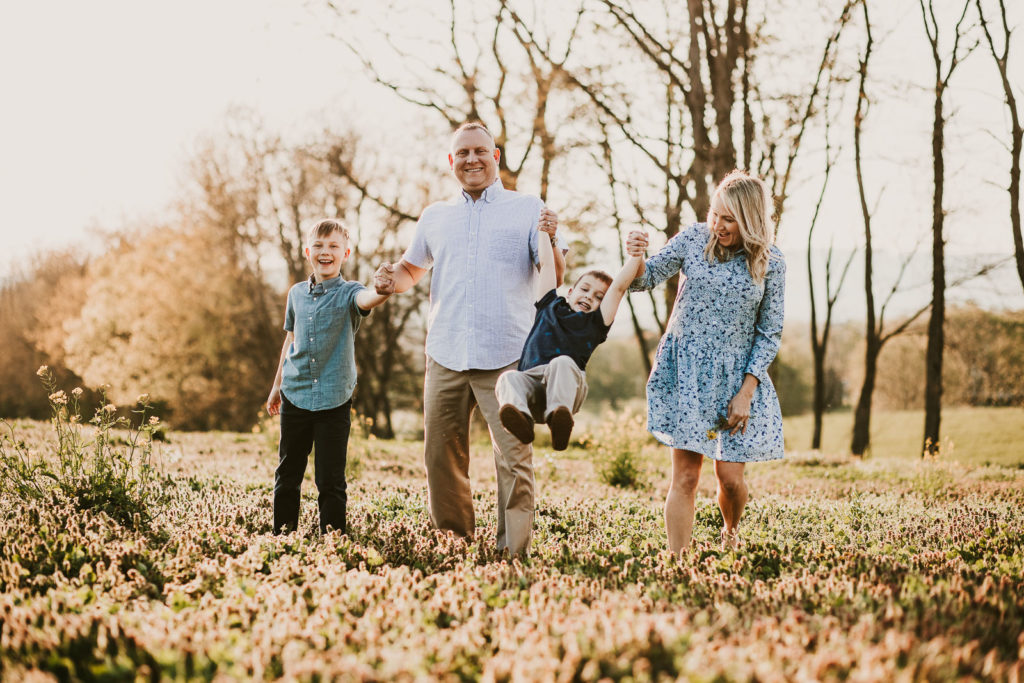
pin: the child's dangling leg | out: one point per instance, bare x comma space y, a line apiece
566, 388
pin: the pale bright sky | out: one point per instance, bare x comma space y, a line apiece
103, 100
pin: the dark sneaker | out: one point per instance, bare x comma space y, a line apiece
516, 422
560, 422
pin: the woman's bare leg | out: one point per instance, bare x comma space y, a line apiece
732, 496
681, 500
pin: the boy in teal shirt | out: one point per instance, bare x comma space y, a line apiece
316, 376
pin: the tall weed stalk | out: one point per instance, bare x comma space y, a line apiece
98, 465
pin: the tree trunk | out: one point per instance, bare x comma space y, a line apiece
1016, 131
862, 415
933, 355
1018, 242
819, 395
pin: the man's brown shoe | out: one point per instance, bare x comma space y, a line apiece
560, 422
516, 422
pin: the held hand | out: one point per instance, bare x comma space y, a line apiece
384, 279
738, 413
636, 243
548, 221
274, 402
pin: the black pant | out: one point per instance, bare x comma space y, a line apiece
301, 431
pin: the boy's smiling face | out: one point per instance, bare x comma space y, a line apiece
326, 254
586, 295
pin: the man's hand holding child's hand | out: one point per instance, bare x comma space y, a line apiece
384, 279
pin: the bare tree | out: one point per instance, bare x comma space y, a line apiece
875, 334
943, 74
697, 77
1001, 58
389, 340
819, 342
478, 78
261, 190
607, 162
264, 193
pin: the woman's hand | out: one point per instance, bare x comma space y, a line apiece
636, 243
738, 413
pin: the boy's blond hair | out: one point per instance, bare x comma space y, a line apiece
326, 228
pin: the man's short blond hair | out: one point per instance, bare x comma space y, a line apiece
326, 228
474, 125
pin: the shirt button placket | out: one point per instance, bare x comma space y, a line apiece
474, 243
312, 350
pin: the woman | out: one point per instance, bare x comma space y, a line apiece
709, 393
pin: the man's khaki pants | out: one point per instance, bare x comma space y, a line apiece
543, 388
448, 400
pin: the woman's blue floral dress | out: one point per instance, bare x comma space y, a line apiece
723, 326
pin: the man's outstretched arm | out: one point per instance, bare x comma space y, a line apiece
394, 278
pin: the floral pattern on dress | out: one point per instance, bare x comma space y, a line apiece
723, 325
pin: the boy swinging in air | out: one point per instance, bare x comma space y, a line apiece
550, 382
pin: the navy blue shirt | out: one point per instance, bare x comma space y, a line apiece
560, 331
319, 370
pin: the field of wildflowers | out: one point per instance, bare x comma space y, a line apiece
851, 570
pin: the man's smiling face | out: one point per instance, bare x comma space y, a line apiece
474, 160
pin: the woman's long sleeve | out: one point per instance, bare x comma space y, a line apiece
663, 265
768, 328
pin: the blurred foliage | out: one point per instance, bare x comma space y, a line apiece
192, 307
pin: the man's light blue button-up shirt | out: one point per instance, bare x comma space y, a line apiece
483, 255
319, 371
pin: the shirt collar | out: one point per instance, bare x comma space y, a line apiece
325, 285
490, 193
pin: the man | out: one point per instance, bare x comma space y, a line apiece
482, 246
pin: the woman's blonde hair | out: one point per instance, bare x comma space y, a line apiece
749, 200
